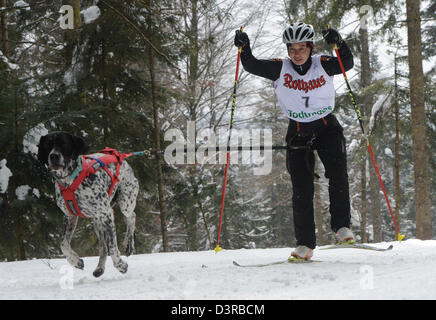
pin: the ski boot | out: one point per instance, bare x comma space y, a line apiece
302, 253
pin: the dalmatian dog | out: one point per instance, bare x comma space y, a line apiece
59, 151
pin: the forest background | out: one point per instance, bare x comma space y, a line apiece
123, 73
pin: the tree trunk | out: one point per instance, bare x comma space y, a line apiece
397, 150
192, 71
21, 253
5, 50
375, 205
365, 81
419, 136
206, 226
71, 37
363, 201
193, 56
77, 20
192, 218
159, 160
318, 208
5, 33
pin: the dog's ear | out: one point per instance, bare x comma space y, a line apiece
79, 146
42, 151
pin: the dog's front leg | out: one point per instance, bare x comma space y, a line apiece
70, 223
102, 248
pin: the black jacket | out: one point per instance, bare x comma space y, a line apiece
270, 69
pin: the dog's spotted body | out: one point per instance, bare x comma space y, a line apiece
59, 151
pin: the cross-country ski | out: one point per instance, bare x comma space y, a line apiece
293, 260
357, 246
290, 261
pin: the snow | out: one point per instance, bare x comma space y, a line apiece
31, 138
77, 69
382, 101
406, 272
36, 192
22, 4
353, 146
5, 173
388, 152
11, 65
90, 14
22, 191
68, 78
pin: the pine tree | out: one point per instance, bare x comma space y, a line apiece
419, 127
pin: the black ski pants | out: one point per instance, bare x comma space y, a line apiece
326, 136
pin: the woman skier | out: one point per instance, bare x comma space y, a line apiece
304, 87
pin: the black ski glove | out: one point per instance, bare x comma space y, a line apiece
331, 36
241, 39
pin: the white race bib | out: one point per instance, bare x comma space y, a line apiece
305, 98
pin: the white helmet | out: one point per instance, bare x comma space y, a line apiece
298, 32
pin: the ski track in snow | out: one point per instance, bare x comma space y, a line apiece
406, 272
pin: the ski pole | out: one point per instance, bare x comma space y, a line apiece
359, 117
217, 248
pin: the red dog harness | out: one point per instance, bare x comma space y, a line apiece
91, 167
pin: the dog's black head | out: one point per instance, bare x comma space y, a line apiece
59, 150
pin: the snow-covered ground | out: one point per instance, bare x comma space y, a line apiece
406, 272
